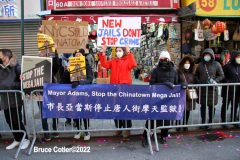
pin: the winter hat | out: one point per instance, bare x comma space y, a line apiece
165, 54
81, 51
237, 56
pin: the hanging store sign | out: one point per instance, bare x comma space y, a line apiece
111, 4
219, 8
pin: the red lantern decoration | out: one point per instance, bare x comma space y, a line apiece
206, 23
40, 29
218, 28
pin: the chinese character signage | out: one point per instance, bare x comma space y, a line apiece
119, 31
36, 71
11, 9
112, 4
107, 101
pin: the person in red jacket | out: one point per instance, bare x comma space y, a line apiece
120, 74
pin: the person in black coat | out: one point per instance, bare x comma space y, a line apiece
164, 74
214, 70
232, 75
186, 68
88, 80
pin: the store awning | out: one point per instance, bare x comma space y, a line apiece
153, 18
111, 4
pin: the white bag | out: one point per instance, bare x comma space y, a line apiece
208, 35
226, 35
199, 33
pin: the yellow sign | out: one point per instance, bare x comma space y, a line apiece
220, 8
77, 68
46, 46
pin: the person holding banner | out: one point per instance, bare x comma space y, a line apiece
120, 74
12, 103
89, 75
164, 74
186, 68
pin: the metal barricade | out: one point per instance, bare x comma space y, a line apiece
204, 92
99, 125
13, 120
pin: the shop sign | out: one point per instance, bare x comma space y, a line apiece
111, 4
11, 9
220, 8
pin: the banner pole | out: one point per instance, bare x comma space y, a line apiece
22, 27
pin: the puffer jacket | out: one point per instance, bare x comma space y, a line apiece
189, 75
232, 75
215, 72
9, 80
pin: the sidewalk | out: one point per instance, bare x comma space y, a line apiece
106, 124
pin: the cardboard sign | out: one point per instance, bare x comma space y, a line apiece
119, 31
35, 71
45, 46
77, 68
68, 35
103, 80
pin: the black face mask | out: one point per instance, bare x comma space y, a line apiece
1, 61
164, 62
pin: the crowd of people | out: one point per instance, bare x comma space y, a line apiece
208, 71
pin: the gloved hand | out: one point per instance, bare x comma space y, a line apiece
169, 84
184, 85
74, 84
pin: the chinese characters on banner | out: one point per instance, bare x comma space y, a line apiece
130, 102
119, 31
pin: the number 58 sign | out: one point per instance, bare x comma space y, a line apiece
208, 5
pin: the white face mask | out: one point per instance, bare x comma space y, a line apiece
119, 54
237, 60
186, 66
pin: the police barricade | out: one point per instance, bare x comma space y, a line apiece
13, 112
97, 125
211, 95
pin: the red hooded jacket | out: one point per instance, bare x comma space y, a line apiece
120, 68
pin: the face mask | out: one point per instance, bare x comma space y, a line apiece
186, 66
207, 58
237, 60
164, 62
119, 54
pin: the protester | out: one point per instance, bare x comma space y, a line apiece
89, 75
10, 72
208, 71
186, 68
90, 57
120, 74
232, 75
164, 74
55, 68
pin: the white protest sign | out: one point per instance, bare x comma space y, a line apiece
119, 31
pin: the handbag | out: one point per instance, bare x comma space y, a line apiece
186, 48
236, 35
199, 33
226, 35
191, 93
208, 35
188, 35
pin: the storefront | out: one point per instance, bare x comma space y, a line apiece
207, 14
160, 29
10, 26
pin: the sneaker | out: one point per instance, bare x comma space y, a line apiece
25, 144
225, 126
13, 145
144, 142
56, 135
87, 136
47, 137
236, 125
163, 140
77, 135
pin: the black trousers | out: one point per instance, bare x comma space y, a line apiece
122, 123
79, 123
211, 113
187, 118
16, 113
225, 107
164, 132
